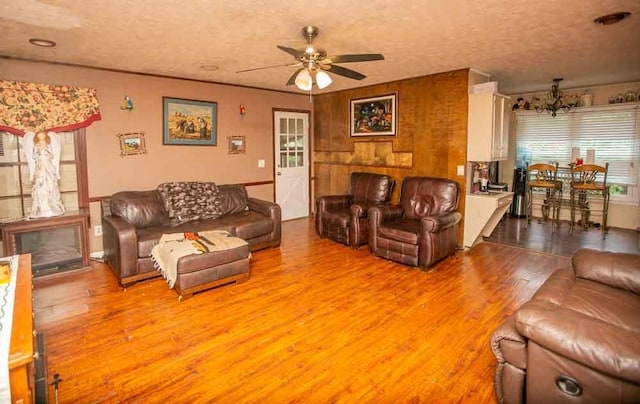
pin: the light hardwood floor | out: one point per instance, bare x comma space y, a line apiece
317, 322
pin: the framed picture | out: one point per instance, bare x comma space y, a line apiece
132, 143
189, 122
236, 144
376, 116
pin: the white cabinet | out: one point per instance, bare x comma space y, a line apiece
488, 127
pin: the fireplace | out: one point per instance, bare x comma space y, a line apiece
56, 244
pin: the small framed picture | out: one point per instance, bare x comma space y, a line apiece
236, 144
375, 116
189, 122
132, 143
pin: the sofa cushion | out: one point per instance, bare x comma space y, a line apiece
185, 201
139, 208
233, 198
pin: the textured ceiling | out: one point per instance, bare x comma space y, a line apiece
522, 44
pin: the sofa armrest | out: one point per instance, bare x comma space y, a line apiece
267, 208
618, 270
434, 224
273, 211
330, 202
584, 339
120, 246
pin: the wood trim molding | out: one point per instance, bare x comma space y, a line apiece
162, 76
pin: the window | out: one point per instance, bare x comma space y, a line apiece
612, 131
15, 185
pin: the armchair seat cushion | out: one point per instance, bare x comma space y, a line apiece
403, 230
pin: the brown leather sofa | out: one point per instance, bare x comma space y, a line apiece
423, 228
343, 218
578, 338
134, 221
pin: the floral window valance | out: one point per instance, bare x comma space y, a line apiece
37, 107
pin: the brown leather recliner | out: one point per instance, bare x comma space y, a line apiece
578, 338
423, 228
343, 218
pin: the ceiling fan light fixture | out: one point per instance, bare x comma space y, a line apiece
303, 80
323, 79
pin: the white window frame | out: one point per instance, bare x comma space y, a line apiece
563, 132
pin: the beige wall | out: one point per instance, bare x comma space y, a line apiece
108, 172
623, 216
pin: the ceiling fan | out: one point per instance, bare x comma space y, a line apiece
314, 63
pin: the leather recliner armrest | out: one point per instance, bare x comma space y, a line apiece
434, 224
359, 209
508, 345
510, 349
329, 202
381, 213
618, 270
588, 340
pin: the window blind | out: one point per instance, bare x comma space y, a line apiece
612, 131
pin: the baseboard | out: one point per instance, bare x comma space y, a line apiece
97, 255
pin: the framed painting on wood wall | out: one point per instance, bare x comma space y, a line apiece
375, 116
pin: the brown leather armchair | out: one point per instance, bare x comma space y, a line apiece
578, 338
423, 228
343, 218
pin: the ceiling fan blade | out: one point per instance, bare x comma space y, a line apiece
293, 52
343, 71
292, 79
268, 67
363, 57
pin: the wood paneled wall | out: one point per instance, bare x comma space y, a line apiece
431, 139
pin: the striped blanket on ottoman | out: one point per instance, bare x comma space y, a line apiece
172, 247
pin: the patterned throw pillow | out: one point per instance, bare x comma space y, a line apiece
190, 200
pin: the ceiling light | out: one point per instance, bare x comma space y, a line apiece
303, 80
612, 18
554, 102
322, 79
45, 43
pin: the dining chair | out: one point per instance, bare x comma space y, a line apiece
544, 177
589, 180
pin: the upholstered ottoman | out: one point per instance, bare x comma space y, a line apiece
192, 262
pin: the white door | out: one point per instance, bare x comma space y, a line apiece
292, 163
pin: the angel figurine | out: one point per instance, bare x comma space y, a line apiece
42, 152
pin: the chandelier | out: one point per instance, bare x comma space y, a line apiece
553, 101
